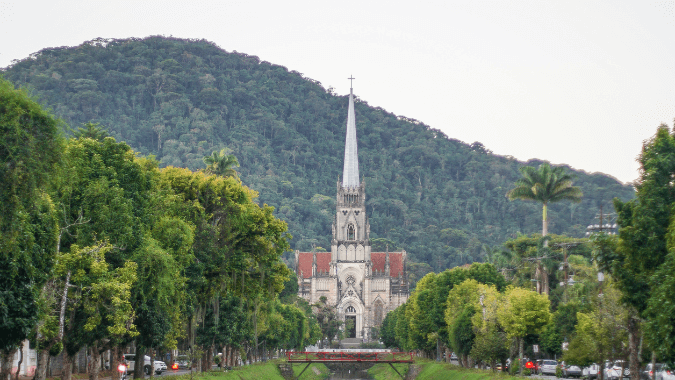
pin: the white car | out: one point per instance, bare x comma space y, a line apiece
591, 372
613, 371
548, 367
130, 361
665, 374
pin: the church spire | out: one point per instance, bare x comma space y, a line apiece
350, 173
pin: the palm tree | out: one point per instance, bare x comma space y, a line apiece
545, 185
222, 163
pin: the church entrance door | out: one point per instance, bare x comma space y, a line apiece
350, 326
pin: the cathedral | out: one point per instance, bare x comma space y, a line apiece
363, 285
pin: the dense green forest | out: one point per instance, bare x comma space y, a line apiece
439, 198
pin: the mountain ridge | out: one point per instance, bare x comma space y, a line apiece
439, 198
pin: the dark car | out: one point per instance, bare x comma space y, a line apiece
571, 371
183, 361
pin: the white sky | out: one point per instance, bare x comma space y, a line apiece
575, 82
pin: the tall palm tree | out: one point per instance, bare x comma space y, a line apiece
221, 163
546, 185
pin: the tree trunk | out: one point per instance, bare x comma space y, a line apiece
521, 342
76, 362
41, 367
152, 363
6, 357
633, 342
18, 365
537, 276
209, 358
139, 363
67, 369
544, 224
653, 375
114, 363
94, 364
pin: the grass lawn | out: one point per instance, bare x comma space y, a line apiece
431, 370
383, 371
267, 370
315, 371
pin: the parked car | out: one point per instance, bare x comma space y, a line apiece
130, 361
590, 372
613, 371
537, 365
183, 361
548, 367
646, 373
666, 374
571, 371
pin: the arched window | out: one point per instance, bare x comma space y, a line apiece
350, 232
379, 309
351, 309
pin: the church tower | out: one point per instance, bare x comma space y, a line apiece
362, 285
350, 247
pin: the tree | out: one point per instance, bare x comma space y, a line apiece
221, 163
91, 131
602, 333
328, 320
29, 148
545, 185
523, 312
644, 246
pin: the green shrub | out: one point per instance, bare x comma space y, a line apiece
558, 371
514, 368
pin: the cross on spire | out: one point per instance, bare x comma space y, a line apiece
351, 81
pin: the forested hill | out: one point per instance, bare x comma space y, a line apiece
435, 196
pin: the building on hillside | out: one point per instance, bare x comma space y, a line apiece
363, 285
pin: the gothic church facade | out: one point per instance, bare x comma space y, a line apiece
363, 285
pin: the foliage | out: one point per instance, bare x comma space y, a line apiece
329, 323
180, 100
523, 312
641, 258
221, 163
29, 148
545, 185
661, 310
601, 334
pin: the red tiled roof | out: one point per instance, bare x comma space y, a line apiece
306, 259
323, 261
395, 262
378, 259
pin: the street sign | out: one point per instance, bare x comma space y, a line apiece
535, 348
